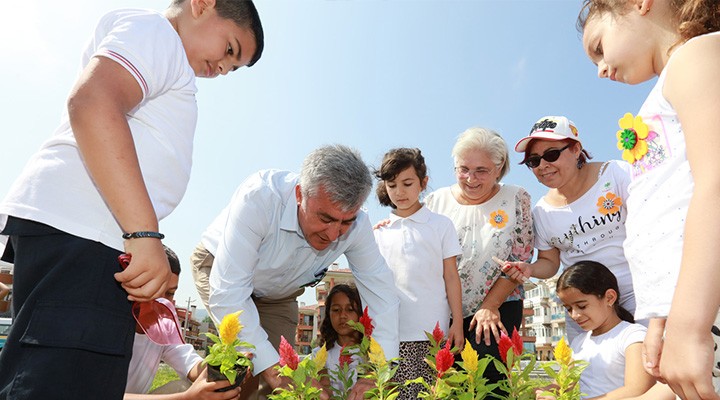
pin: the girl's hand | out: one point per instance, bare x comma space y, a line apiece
687, 361
652, 347
455, 335
201, 389
381, 223
147, 276
487, 321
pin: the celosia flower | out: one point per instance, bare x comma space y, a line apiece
632, 137
517, 342
377, 355
608, 204
444, 359
288, 356
469, 357
366, 321
438, 334
498, 218
344, 359
230, 327
321, 358
563, 352
504, 345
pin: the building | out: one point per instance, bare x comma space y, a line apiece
544, 318
6, 278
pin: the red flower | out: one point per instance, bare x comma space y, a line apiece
288, 356
438, 334
444, 359
344, 359
504, 345
517, 342
367, 322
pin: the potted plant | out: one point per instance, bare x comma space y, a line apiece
226, 358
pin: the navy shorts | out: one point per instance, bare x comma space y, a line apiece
73, 330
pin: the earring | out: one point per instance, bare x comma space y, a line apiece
580, 163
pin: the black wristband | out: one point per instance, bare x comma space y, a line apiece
143, 234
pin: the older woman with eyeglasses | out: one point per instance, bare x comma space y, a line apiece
582, 216
492, 220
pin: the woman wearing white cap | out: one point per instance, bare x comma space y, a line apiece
582, 216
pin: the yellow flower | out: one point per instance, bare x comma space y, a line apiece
631, 137
321, 358
498, 218
609, 204
377, 355
563, 352
469, 357
230, 327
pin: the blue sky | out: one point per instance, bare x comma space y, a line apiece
366, 73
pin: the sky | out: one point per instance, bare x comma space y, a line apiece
370, 74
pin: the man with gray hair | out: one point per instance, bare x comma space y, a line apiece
277, 236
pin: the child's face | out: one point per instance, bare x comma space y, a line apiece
342, 311
591, 312
215, 45
404, 191
620, 46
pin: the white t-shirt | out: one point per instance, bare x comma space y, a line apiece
606, 355
55, 187
660, 195
146, 359
591, 228
414, 248
333, 364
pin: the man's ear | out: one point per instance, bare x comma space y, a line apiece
198, 7
298, 194
644, 6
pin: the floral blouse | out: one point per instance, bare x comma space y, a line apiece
500, 227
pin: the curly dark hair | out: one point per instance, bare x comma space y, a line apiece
394, 162
692, 17
328, 335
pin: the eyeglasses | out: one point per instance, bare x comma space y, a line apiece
549, 156
157, 318
477, 173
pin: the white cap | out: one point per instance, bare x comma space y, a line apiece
549, 128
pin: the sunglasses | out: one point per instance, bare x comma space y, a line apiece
549, 156
157, 318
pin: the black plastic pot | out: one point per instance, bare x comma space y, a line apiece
214, 375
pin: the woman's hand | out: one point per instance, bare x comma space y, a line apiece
518, 272
487, 321
201, 389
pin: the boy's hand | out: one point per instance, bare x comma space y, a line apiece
147, 276
201, 389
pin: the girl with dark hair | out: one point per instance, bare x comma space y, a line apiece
612, 342
343, 304
673, 222
420, 248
